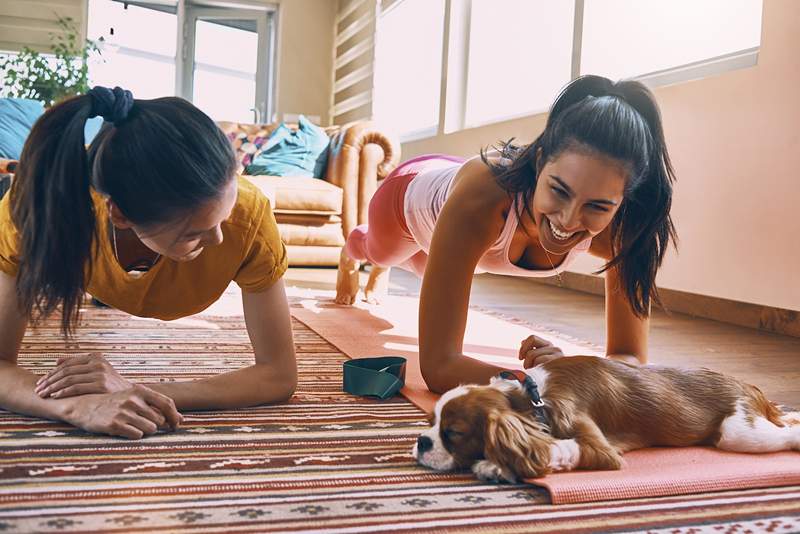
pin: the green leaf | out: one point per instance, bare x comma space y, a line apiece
30, 74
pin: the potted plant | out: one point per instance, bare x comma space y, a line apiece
50, 78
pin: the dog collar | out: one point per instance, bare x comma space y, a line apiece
529, 384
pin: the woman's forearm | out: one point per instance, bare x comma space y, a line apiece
17, 394
249, 386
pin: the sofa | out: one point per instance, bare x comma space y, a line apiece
316, 215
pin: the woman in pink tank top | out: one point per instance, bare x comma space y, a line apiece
597, 179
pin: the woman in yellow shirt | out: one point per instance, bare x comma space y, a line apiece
152, 221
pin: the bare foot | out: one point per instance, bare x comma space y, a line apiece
346, 279
378, 285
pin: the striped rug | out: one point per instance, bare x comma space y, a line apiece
324, 462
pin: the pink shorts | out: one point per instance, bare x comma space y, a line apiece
386, 241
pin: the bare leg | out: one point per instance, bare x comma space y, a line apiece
347, 279
378, 284
384, 241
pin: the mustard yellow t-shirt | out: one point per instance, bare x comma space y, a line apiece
251, 254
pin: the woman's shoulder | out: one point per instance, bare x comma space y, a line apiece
251, 203
477, 202
476, 186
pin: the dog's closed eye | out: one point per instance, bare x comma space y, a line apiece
451, 434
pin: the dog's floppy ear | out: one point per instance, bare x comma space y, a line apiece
516, 443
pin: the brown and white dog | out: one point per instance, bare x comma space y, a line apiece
594, 409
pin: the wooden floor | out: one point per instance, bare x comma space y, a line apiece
770, 361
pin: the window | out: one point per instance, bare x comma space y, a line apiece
141, 52
223, 81
516, 63
408, 67
508, 58
627, 38
140, 55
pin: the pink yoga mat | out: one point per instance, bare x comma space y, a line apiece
390, 328
661, 472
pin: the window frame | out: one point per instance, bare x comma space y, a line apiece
385, 7
455, 62
266, 17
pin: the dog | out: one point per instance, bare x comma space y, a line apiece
584, 412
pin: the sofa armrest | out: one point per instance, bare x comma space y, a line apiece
359, 156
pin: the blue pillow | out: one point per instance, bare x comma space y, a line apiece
303, 152
17, 116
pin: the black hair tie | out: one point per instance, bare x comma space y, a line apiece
111, 104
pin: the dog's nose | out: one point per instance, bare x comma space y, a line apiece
424, 443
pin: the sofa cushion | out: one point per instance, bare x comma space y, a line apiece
246, 144
307, 219
312, 255
303, 195
287, 152
299, 234
17, 116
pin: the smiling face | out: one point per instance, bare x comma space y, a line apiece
185, 240
577, 195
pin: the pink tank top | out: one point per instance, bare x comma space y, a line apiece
425, 197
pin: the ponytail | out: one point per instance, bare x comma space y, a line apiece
643, 224
52, 209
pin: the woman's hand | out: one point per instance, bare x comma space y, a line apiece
132, 413
536, 351
81, 375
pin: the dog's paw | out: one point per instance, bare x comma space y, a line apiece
491, 472
610, 460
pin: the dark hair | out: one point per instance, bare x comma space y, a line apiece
619, 120
157, 162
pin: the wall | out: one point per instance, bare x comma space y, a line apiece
30, 22
305, 42
734, 140
353, 59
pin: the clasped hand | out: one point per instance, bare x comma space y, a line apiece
133, 413
81, 375
102, 401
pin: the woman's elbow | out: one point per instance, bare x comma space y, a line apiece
283, 396
285, 390
436, 375
275, 386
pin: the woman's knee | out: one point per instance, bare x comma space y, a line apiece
355, 246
